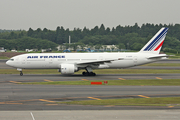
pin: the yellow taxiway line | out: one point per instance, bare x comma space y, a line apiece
121, 78
46, 100
85, 79
143, 96
93, 98
170, 106
159, 78
48, 80
10, 103
14, 82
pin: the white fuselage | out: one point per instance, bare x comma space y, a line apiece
54, 60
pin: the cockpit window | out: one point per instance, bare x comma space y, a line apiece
11, 59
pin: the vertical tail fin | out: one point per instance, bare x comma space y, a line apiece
156, 42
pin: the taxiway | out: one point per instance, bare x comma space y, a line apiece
44, 97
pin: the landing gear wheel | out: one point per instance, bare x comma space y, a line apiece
84, 73
88, 74
92, 74
21, 74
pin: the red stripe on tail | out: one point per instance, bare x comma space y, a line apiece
159, 46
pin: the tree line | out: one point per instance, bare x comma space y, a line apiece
27, 43
126, 37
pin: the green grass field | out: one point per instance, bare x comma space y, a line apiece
4, 57
153, 82
163, 64
167, 101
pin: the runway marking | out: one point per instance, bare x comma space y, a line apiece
32, 116
22, 100
14, 82
51, 104
170, 106
48, 80
10, 103
85, 79
121, 78
46, 100
159, 78
93, 98
143, 96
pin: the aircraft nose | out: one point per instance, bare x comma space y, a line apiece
7, 62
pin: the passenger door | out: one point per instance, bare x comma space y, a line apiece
135, 59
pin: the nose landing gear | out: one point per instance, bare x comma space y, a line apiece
20, 70
21, 73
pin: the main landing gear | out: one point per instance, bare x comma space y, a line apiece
89, 72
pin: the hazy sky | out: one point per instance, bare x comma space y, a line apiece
23, 14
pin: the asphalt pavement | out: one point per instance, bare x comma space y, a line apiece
41, 102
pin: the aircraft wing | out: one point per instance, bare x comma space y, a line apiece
98, 61
159, 56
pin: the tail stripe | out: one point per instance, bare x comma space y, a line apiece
159, 46
159, 40
156, 40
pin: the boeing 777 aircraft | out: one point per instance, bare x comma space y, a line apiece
68, 63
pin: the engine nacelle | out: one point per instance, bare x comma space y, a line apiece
68, 69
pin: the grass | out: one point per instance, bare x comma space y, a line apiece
29, 71
150, 82
166, 101
4, 57
163, 64
134, 71
176, 56
102, 71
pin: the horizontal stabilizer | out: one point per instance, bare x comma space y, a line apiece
159, 56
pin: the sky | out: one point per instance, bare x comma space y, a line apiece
25, 14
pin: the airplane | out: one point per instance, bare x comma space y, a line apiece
69, 63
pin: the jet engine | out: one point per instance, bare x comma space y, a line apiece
68, 69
